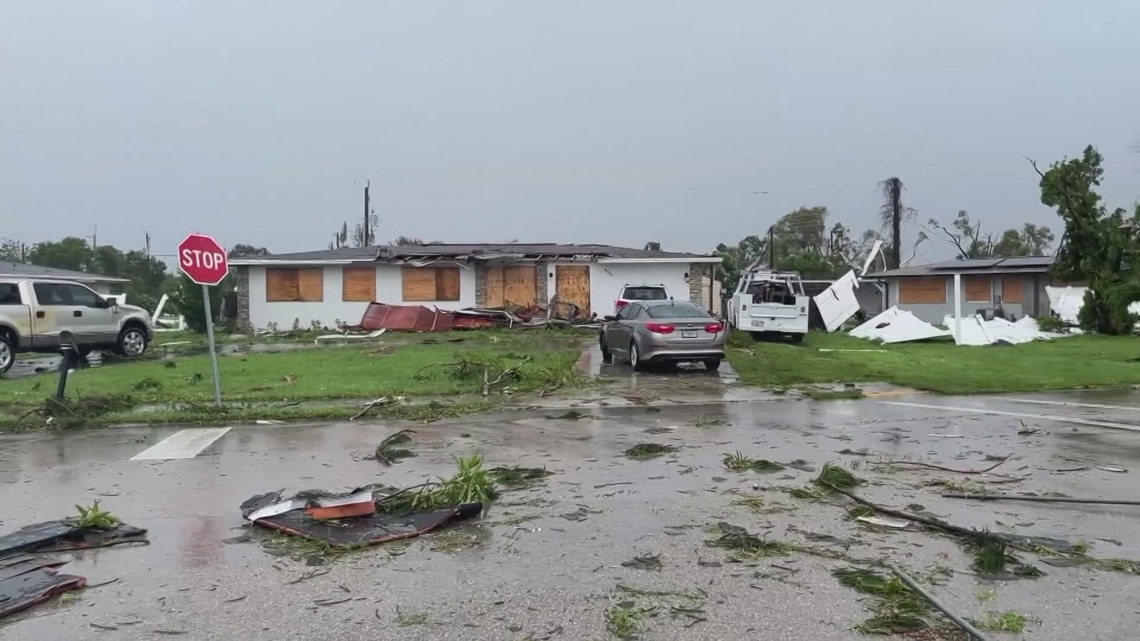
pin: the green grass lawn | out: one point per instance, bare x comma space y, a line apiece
407, 365
1064, 363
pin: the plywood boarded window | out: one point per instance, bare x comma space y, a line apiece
519, 286
294, 285
422, 284
358, 284
977, 289
929, 291
573, 286
1012, 290
493, 286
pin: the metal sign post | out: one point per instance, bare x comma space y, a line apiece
204, 261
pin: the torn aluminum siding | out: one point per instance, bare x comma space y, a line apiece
897, 326
976, 331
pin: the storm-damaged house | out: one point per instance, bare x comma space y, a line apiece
335, 286
1016, 286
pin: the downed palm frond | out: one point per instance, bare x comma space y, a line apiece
517, 477
470, 484
837, 477
387, 452
744, 545
645, 451
897, 609
738, 462
624, 620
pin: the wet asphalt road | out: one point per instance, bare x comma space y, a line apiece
545, 563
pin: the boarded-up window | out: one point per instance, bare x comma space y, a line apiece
573, 286
1011, 289
493, 286
430, 283
519, 286
295, 285
977, 289
358, 284
922, 290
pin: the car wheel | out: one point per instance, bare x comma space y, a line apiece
712, 364
635, 358
606, 355
7, 353
132, 342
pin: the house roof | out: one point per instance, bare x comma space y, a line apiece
1018, 265
25, 270
473, 252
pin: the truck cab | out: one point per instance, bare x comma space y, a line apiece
34, 312
770, 304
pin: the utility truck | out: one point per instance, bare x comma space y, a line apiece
770, 304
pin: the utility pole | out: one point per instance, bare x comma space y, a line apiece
95, 238
367, 213
148, 244
772, 248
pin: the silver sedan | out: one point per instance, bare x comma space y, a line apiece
663, 331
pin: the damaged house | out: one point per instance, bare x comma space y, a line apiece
1016, 286
336, 286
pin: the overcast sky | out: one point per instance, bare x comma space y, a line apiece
585, 121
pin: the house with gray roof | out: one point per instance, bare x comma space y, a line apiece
1016, 285
334, 285
98, 282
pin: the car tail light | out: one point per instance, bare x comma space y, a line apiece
659, 328
620, 303
713, 328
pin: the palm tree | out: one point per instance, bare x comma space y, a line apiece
892, 214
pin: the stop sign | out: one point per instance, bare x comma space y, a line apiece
202, 259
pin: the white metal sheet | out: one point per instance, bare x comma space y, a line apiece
186, 443
897, 326
838, 302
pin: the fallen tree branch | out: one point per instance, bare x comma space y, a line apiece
383, 400
509, 371
958, 621
383, 446
934, 523
1037, 499
945, 469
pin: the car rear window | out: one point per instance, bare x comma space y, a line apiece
677, 310
645, 293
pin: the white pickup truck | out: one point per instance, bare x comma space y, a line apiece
34, 312
769, 304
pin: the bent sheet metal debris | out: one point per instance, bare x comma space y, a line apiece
351, 526
27, 579
897, 326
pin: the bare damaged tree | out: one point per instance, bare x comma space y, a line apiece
966, 236
892, 214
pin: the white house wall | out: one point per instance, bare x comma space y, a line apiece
607, 279
389, 289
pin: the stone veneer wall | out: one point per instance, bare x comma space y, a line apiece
697, 274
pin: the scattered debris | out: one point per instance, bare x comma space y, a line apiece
1107, 468
624, 619
947, 469
645, 451
1038, 499
645, 562
835, 477
368, 516
1001, 621
894, 524
710, 421
745, 546
387, 452
370, 405
838, 302
518, 477
897, 326
740, 463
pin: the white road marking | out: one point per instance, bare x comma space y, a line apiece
184, 444
1046, 417
1098, 406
